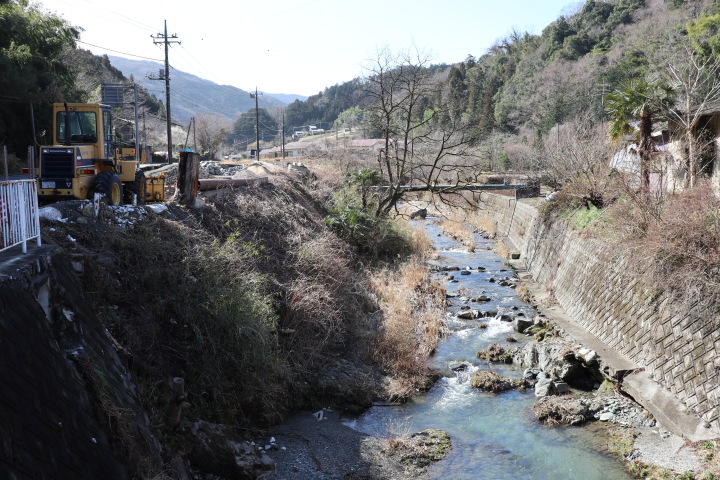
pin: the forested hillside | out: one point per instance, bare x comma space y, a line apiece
94, 70
525, 84
40, 65
32, 71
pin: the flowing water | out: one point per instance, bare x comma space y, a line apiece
495, 436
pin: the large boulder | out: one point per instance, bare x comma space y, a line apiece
468, 314
559, 361
520, 324
217, 450
543, 385
565, 410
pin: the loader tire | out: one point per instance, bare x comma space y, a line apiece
136, 187
109, 184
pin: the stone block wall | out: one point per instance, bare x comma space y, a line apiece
677, 342
60, 372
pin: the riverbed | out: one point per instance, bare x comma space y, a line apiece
495, 436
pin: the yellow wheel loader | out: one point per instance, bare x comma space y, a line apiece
83, 161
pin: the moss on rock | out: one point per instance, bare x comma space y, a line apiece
493, 382
495, 353
428, 446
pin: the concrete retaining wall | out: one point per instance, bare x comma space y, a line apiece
677, 343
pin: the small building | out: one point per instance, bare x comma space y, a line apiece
292, 150
707, 138
662, 170
372, 144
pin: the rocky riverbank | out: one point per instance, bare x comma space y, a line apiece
318, 446
574, 387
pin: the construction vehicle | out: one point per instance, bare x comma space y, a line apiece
125, 152
83, 159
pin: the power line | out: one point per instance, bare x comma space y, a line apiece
118, 51
200, 65
131, 20
232, 115
114, 18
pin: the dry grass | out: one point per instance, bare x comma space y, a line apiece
502, 249
682, 246
490, 381
560, 410
396, 437
523, 293
483, 222
246, 300
422, 244
495, 353
411, 324
455, 228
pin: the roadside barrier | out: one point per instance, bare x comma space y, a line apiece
19, 214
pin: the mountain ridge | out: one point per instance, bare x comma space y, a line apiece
193, 95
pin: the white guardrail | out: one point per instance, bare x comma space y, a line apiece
19, 214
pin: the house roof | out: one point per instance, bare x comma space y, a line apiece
711, 107
297, 145
366, 143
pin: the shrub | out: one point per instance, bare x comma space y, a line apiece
681, 249
191, 307
376, 238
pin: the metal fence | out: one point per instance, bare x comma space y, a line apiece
19, 214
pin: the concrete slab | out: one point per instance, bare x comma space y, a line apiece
14, 263
666, 409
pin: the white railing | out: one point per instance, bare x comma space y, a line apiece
19, 214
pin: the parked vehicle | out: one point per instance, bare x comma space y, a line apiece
84, 160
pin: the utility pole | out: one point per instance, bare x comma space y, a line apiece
167, 40
257, 124
282, 133
602, 89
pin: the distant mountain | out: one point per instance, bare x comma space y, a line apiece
288, 98
192, 95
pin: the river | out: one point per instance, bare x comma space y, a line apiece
494, 436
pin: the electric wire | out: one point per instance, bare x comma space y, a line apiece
118, 51
130, 21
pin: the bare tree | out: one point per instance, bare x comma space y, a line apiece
422, 143
578, 153
696, 83
211, 130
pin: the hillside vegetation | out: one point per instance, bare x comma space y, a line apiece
526, 84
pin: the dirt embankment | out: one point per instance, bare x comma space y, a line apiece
251, 300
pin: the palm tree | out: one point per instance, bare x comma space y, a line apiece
640, 100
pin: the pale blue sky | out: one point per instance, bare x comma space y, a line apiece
299, 46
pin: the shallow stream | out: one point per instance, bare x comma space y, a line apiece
495, 436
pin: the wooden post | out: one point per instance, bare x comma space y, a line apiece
177, 401
5, 161
188, 175
31, 162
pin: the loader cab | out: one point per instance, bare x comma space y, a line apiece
84, 124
